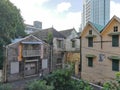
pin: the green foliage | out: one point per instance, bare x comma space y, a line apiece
113, 85
11, 25
11, 22
50, 38
39, 85
61, 80
5, 87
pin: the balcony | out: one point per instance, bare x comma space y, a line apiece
31, 53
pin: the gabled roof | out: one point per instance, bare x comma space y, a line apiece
19, 40
43, 34
67, 32
113, 18
97, 26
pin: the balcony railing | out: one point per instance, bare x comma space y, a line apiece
29, 53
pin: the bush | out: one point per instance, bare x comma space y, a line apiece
61, 80
39, 85
113, 85
5, 87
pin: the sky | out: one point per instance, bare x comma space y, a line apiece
60, 14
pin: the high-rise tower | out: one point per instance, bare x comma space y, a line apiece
96, 11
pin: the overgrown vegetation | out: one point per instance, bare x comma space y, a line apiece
11, 25
39, 85
60, 80
113, 85
5, 87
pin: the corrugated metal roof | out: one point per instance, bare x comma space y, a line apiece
31, 42
16, 40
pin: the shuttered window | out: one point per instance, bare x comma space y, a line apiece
90, 62
59, 43
90, 42
115, 40
115, 65
73, 44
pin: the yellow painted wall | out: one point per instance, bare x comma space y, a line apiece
73, 57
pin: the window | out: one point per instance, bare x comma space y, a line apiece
90, 61
73, 44
59, 60
59, 43
90, 42
115, 65
115, 40
90, 32
115, 28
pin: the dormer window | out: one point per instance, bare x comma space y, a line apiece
115, 28
90, 32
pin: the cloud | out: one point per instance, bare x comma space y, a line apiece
48, 17
64, 6
72, 19
114, 8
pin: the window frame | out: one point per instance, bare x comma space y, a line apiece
115, 43
90, 61
115, 65
59, 43
73, 43
90, 42
90, 32
115, 28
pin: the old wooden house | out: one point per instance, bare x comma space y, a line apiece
26, 57
72, 48
57, 46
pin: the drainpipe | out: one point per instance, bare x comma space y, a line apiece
101, 41
80, 56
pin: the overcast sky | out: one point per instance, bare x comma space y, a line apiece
61, 14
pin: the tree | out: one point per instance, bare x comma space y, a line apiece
49, 40
61, 80
11, 25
